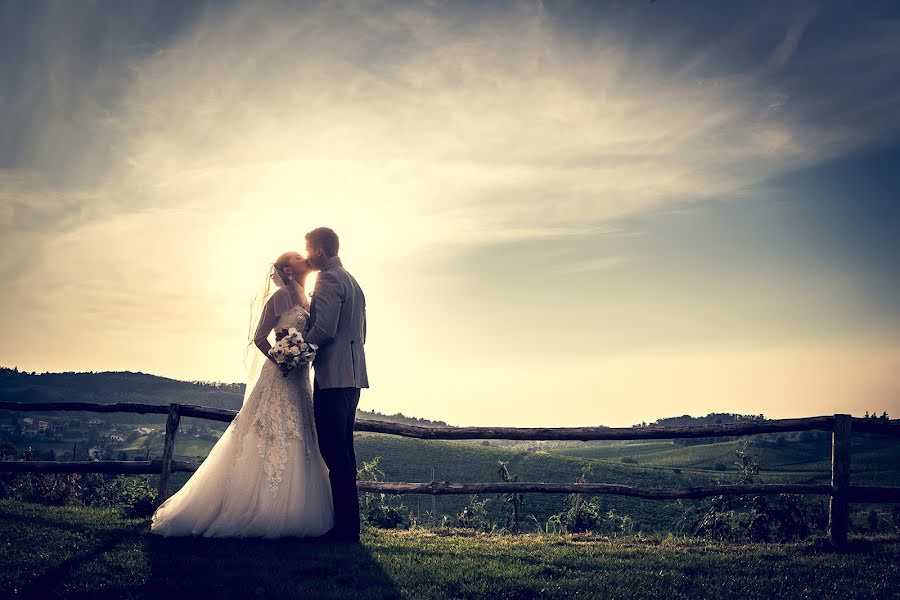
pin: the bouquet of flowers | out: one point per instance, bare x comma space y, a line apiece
291, 351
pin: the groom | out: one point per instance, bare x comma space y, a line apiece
337, 324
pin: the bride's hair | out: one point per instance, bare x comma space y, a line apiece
282, 262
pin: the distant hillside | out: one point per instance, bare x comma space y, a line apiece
109, 387
106, 388
710, 419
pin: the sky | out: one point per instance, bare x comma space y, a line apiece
562, 213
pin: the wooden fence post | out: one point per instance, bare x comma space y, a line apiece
168, 449
839, 505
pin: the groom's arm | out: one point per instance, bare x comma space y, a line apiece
327, 301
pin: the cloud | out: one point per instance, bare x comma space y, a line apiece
499, 119
788, 44
418, 114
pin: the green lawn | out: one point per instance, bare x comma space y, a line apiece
615, 450
51, 552
874, 458
404, 459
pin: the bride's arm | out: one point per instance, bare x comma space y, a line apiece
266, 324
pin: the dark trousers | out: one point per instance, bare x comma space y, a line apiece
335, 410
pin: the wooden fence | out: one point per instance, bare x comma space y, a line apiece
840, 492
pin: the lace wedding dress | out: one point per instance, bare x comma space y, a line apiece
265, 476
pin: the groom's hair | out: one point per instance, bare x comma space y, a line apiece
324, 238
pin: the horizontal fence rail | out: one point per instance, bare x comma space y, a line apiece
583, 434
153, 467
840, 492
186, 410
123, 467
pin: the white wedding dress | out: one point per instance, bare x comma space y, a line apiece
265, 476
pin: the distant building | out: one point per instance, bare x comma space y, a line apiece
28, 421
42, 426
96, 422
116, 438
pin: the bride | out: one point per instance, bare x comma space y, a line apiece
265, 476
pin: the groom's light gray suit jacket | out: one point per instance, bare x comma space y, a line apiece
337, 324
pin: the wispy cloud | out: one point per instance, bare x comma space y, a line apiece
506, 117
788, 44
433, 109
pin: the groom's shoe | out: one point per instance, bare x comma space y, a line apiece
333, 535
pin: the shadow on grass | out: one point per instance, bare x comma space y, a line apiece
48, 583
280, 568
100, 560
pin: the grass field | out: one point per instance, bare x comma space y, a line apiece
51, 552
875, 459
412, 460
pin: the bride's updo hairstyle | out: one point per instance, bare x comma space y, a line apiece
280, 278
280, 264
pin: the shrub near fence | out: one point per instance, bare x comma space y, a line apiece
840, 492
